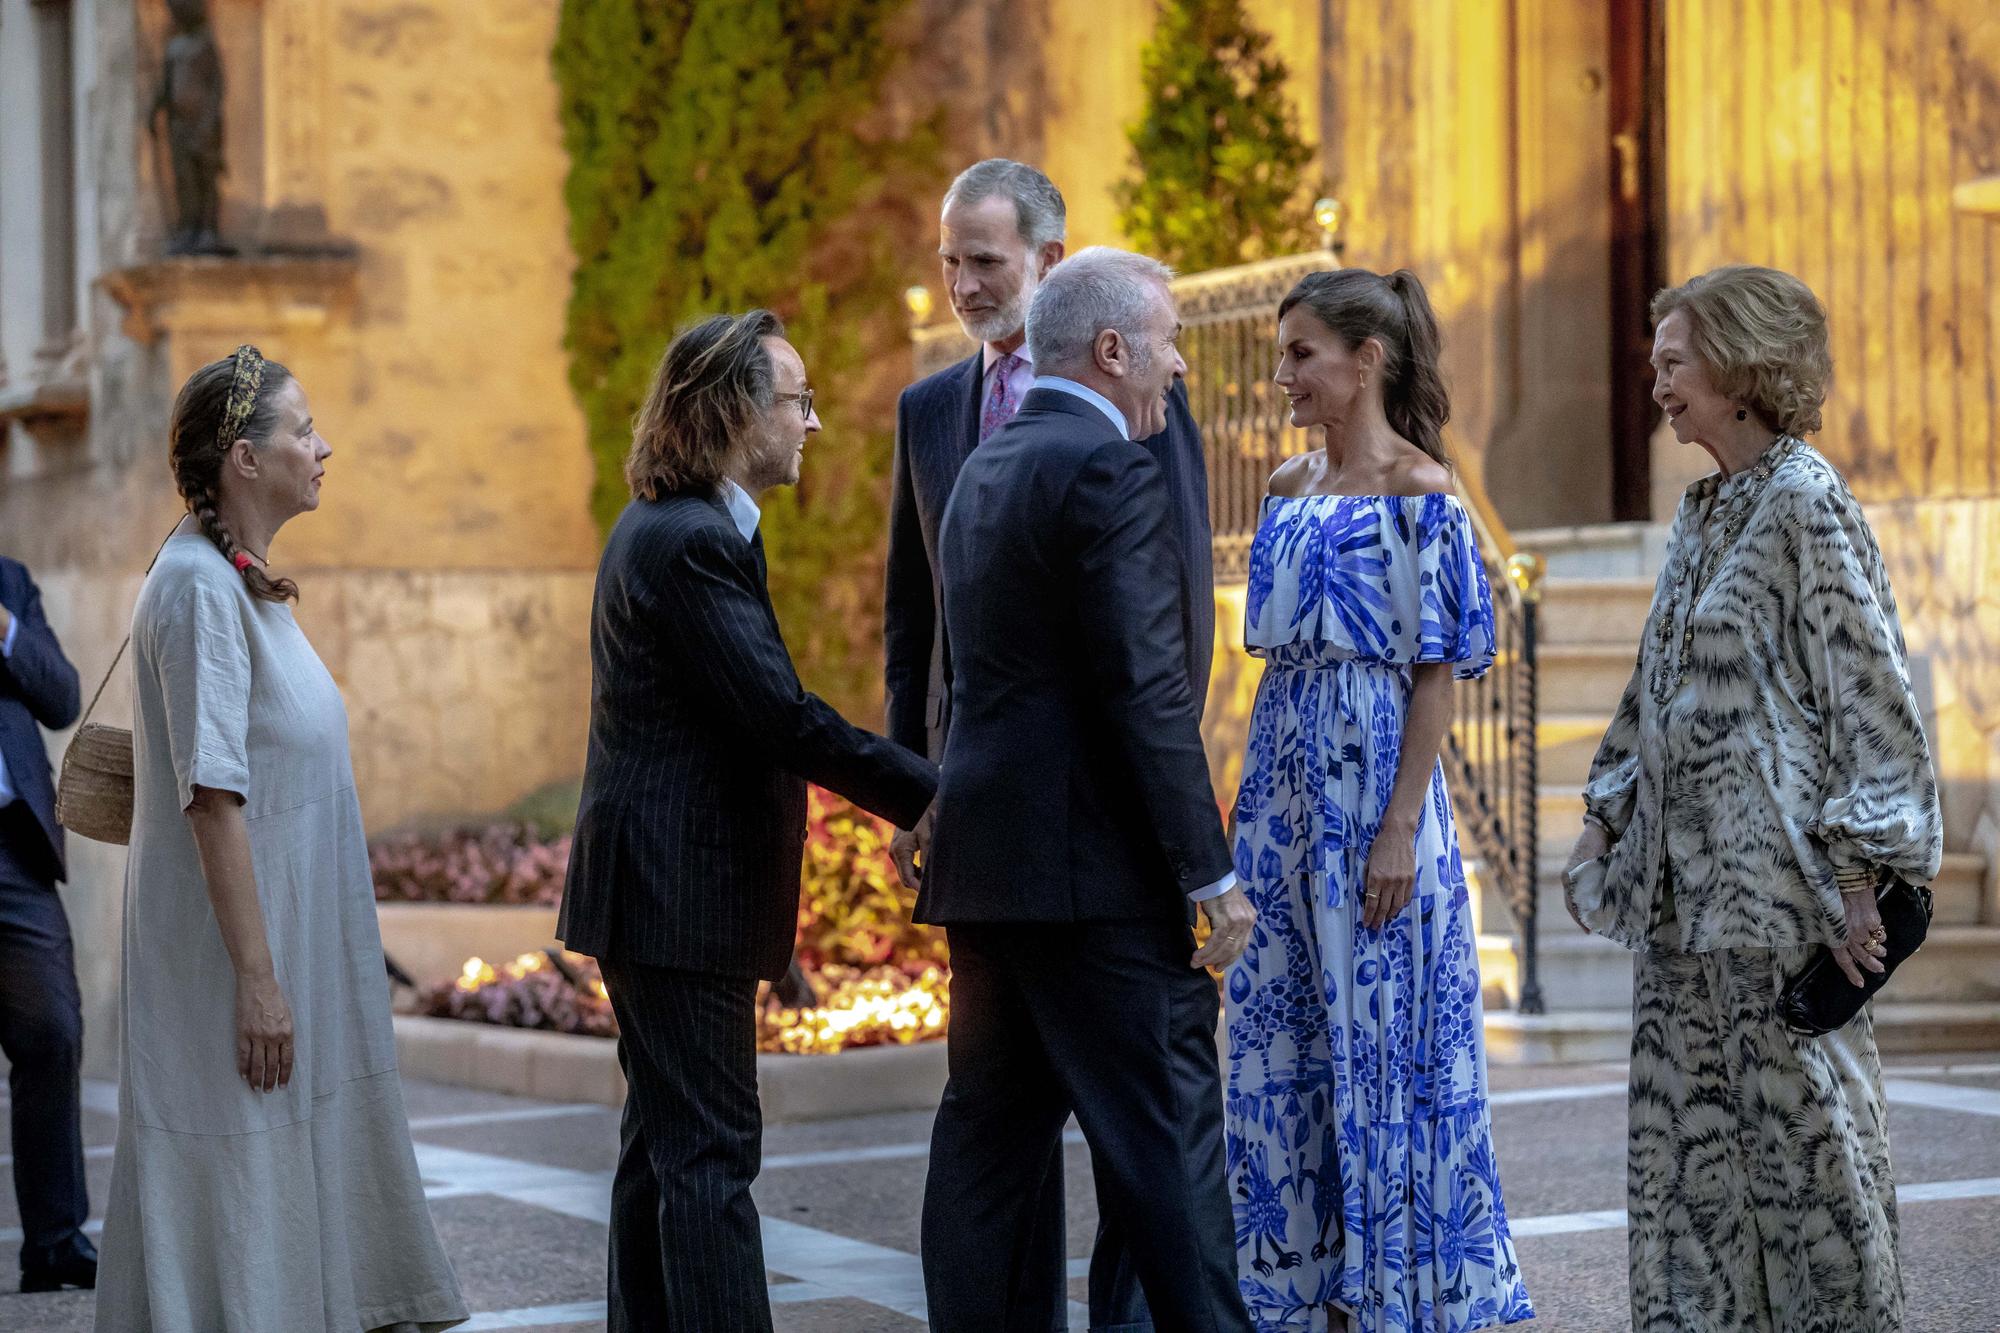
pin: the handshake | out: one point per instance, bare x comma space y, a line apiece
1229, 915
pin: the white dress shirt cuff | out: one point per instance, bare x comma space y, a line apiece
13, 628
1215, 890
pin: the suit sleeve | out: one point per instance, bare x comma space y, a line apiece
36, 672
1118, 518
909, 609
1188, 486
729, 641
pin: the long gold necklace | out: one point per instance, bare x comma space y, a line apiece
1670, 668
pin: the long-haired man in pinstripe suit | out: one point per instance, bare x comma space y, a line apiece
684, 874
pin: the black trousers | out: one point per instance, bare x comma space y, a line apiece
686, 1252
1117, 1301
1108, 1021
41, 1033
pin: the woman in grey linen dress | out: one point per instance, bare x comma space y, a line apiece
264, 1178
1765, 769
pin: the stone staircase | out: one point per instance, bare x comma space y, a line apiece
1599, 588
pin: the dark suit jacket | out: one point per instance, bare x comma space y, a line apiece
692, 824
937, 428
1075, 787
37, 686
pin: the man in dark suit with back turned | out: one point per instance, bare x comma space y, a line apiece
1074, 831
41, 1012
1000, 232
684, 873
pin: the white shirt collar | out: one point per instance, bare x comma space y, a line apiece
1089, 395
743, 510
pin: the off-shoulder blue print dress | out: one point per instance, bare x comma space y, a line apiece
1360, 1148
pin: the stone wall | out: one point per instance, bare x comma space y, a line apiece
1944, 559
1836, 160
464, 690
395, 184
1450, 132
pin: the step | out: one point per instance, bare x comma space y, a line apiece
1588, 1036
1607, 611
1957, 965
1598, 550
1560, 807
1958, 894
1577, 971
1566, 743
1582, 1037
1575, 678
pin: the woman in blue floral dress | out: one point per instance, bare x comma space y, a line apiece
1366, 1190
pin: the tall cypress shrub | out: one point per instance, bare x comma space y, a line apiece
726, 154
1220, 167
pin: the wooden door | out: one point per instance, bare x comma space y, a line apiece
1637, 71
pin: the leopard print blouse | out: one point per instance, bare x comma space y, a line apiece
1768, 739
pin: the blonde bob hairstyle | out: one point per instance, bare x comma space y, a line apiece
1763, 335
715, 378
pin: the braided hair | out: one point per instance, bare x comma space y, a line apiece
223, 402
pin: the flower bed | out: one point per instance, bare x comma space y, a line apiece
876, 978
503, 863
564, 992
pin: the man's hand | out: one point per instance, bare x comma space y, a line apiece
908, 846
6, 621
1230, 920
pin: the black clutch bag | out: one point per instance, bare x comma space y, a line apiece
1821, 998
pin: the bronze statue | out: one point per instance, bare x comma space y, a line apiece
191, 96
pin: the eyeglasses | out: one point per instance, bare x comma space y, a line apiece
805, 401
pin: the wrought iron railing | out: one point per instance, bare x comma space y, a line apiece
1229, 322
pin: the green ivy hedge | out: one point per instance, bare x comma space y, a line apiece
726, 154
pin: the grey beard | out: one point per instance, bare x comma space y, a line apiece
1002, 323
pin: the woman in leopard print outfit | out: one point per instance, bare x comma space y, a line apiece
1766, 764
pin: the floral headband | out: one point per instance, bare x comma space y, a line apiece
244, 384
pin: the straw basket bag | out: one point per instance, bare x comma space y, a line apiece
94, 792
94, 795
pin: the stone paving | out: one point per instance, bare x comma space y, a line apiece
520, 1191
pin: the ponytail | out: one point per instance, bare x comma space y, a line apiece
1414, 398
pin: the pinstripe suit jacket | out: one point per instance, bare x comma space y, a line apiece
692, 824
937, 428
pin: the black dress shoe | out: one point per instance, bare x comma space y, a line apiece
76, 1271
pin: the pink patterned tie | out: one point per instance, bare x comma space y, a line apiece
1000, 403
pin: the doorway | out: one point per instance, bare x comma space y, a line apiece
1637, 70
